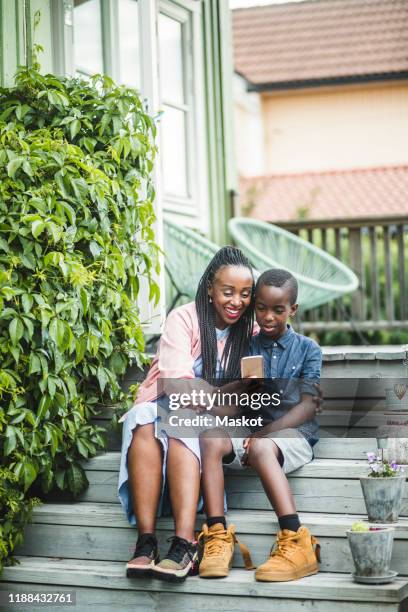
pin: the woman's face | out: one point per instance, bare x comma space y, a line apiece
230, 292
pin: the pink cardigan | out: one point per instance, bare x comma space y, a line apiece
178, 349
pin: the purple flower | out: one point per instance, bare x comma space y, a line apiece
375, 467
371, 457
394, 465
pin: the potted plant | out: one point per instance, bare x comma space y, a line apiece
371, 549
383, 488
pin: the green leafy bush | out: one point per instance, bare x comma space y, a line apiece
15, 511
76, 236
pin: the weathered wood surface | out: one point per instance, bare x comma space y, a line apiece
245, 491
248, 521
106, 600
318, 468
103, 574
114, 539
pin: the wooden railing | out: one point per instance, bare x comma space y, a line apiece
377, 251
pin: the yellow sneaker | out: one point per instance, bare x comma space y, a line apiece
293, 557
219, 544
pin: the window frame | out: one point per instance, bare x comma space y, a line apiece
192, 212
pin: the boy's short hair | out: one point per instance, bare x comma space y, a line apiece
277, 277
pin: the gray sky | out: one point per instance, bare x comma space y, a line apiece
242, 3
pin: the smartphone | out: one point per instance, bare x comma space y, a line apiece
252, 366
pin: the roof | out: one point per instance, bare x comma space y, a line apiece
305, 43
339, 194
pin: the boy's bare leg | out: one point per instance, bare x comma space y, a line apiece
263, 457
145, 461
213, 449
183, 473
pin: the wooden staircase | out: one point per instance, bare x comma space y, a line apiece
83, 546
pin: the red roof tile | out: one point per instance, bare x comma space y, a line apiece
369, 192
321, 39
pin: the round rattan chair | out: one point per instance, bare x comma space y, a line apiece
321, 277
187, 255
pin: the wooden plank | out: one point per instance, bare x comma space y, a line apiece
322, 586
375, 287
338, 496
108, 465
106, 600
337, 252
309, 326
304, 225
403, 298
356, 264
327, 309
389, 294
245, 491
107, 516
115, 544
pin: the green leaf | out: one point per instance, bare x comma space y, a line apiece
34, 364
27, 301
60, 479
77, 479
102, 378
43, 407
74, 128
37, 228
29, 473
82, 448
14, 165
11, 441
16, 331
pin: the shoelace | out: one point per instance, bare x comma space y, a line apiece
179, 547
214, 543
145, 545
285, 545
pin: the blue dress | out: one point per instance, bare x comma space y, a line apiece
152, 412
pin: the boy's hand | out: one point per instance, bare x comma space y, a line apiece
318, 400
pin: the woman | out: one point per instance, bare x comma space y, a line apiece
205, 339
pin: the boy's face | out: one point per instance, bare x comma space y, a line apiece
272, 309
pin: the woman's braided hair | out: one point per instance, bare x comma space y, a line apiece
240, 333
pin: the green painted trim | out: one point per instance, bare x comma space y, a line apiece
28, 31
218, 76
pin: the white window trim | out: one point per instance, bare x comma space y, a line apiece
194, 209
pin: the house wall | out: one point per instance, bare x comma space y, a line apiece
322, 129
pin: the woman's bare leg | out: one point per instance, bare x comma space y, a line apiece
145, 464
183, 474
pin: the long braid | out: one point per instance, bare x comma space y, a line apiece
240, 333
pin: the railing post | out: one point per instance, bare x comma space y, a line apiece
356, 264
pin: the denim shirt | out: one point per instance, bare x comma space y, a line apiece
291, 357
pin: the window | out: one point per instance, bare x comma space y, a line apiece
182, 104
156, 47
128, 38
88, 54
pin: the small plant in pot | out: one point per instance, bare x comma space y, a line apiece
371, 549
383, 488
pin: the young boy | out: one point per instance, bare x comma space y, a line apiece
280, 446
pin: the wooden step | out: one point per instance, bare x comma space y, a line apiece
332, 445
105, 581
101, 532
334, 482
